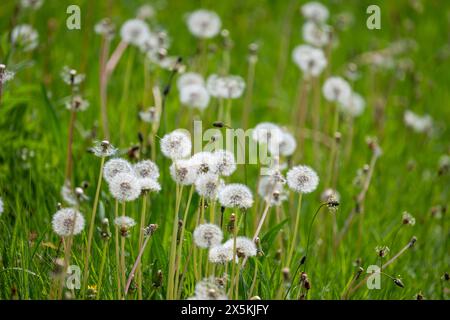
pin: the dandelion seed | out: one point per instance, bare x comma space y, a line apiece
77, 103
71, 76
245, 247
105, 28
336, 89
353, 106
408, 219
207, 235
225, 163
183, 172
208, 186
418, 123
67, 221
315, 11
146, 169
31, 4
194, 96
310, 60
204, 23
220, 254
125, 187
103, 149
302, 179
190, 78
124, 223
134, 31
236, 195
318, 35
114, 167
24, 36
176, 145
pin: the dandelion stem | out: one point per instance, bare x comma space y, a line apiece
294, 237
116, 236
122, 252
102, 267
173, 245
141, 241
261, 222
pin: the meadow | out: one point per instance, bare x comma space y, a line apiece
105, 194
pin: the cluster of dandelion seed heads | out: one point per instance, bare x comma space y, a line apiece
67, 221
207, 235
176, 145
236, 195
302, 179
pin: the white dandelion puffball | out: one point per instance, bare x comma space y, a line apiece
125, 187
194, 96
189, 78
272, 190
146, 169
209, 289
208, 186
183, 172
25, 37
149, 185
77, 103
204, 162
150, 115
105, 28
315, 34
226, 87
310, 60
207, 235
336, 89
150, 43
145, 11
71, 76
302, 179
315, 11
124, 222
225, 164
67, 221
31, 4
5, 74
212, 85
2, 207
418, 123
113, 167
204, 23
176, 145
285, 147
330, 194
103, 149
353, 106
245, 247
220, 254
236, 195
134, 31
268, 133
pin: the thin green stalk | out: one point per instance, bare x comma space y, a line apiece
296, 225
102, 267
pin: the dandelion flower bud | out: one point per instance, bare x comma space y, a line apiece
208, 186
134, 31
176, 145
67, 221
114, 167
226, 164
194, 96
146, 169
124, 224
315, 11
245, 247
183, 172
336, 89
302, 179
190, 78
207, 235
125, 187
25, 37
220, 254
204, 23
236, 195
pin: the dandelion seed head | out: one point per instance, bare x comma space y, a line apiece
189, 78
125, 187
124, 223
149, 116
207, 235
208, 185
146, 169
204, 162
318, 35
194, 96
236, 195
77, 103
245, 247
31, 4
270, 134
105, 28
204, 23
328, 194
382, 251
5, 74
418, 123
310, 60
24, 36
183, 172
134, 31
71, 76
67, 221
176, 145
226, 164
68, 195
286, 146
408, 219
220, 254
302, 179
113, 167
103, 149
315, 11
225, 87
336, 89
272, 190
353, 106
145, 11
149, 185
209, 289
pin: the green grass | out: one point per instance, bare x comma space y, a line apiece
33, 135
